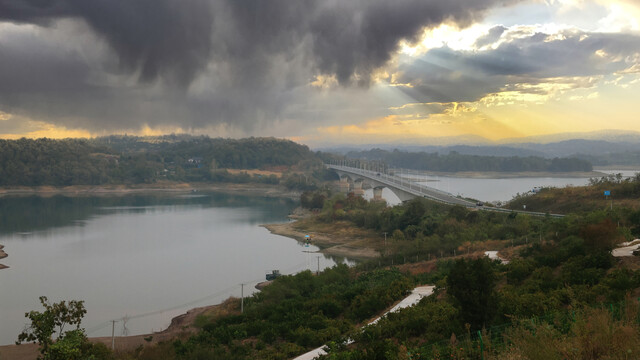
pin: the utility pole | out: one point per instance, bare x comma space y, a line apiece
241, 298
385, 244
318, 272
113, 332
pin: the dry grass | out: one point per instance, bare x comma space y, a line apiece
595, 334
231, 306
573, 199
252, 172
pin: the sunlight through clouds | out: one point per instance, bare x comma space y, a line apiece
354, 68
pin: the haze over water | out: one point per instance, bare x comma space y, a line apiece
133, 255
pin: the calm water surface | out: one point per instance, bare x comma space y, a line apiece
145, 258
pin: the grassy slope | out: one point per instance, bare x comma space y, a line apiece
581, 199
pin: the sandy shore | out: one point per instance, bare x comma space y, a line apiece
350, 245
111, 190
2, 256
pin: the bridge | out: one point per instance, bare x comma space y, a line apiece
406, 189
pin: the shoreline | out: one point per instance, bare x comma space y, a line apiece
2, 256
335, 244
161, 187
616, 167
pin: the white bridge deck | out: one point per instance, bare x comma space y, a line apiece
413, 189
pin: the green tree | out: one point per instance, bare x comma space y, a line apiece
471, 284
69, 345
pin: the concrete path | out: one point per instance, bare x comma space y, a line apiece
413, 298
493, 255
626, 248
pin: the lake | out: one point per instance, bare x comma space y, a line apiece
147, 258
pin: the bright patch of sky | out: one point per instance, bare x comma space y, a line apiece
537, 67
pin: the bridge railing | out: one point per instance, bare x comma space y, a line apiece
406, 185
434, 194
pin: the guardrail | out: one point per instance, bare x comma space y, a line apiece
428, 192
405, 185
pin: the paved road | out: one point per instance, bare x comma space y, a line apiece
405, 185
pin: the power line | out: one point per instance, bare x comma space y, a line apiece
229, 289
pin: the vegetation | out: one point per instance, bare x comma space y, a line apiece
140, 160
627, 158
455, 162
561, 296
560, 274
293, 314
568, 272
70, 344
623, 199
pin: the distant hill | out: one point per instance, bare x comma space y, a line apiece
579, 146
456, 162
135, 160
598, 152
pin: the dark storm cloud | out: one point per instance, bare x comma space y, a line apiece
155, 37
446, 75
200, 62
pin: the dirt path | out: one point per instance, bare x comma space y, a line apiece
355, 244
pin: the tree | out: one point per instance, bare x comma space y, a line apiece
471, 284
69, 345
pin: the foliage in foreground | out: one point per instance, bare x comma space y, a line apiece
68, 345
593, 333
560, 278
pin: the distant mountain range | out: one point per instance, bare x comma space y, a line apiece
583, 145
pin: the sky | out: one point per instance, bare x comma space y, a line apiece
319, 71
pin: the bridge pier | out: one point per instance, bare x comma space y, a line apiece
357, 188
377, 193
344, 185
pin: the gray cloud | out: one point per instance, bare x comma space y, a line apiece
200, 62
494, 35
154, 37
446, 75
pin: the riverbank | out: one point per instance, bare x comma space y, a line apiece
336, 239
2, 256
115, 190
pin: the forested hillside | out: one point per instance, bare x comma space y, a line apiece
455, 162
135, 160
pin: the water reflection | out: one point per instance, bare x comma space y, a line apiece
140, 254
25, 214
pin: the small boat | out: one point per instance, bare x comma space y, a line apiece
274, 274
